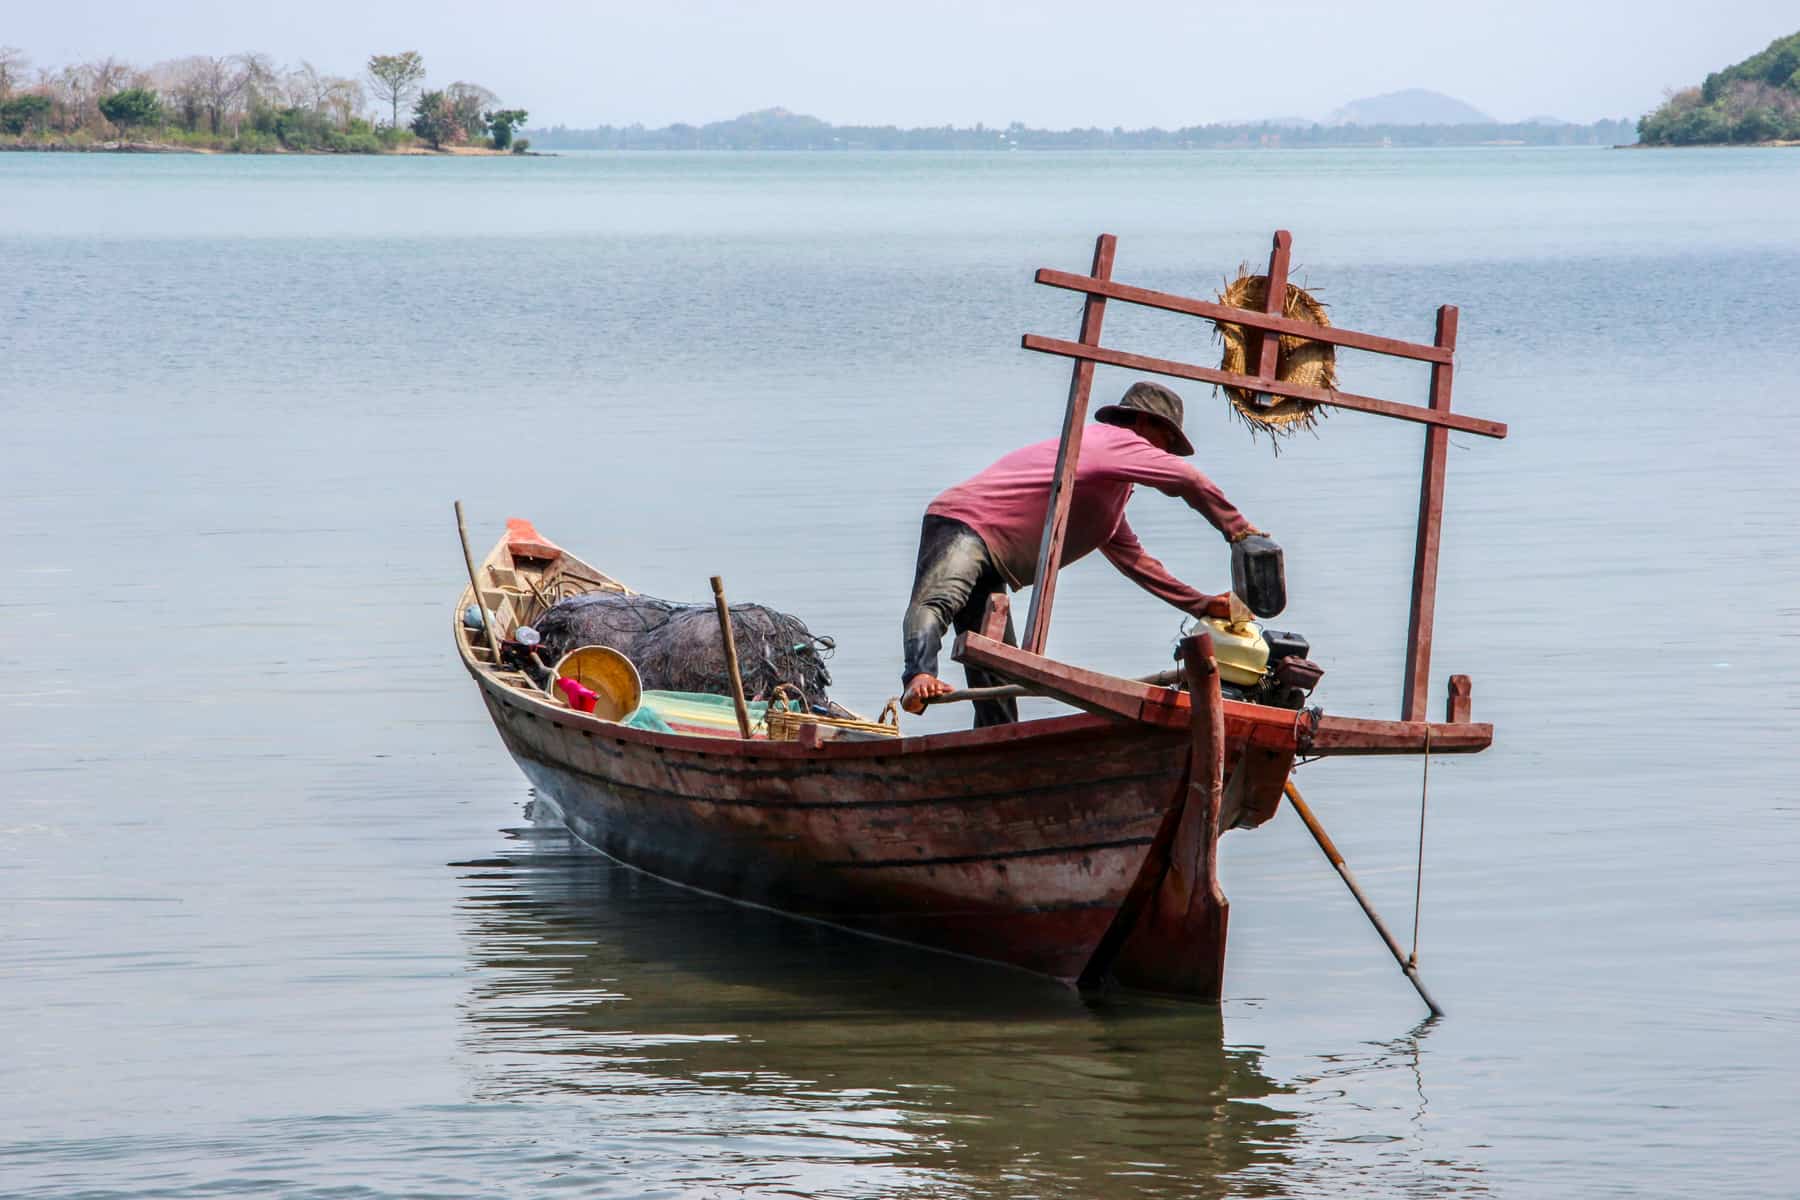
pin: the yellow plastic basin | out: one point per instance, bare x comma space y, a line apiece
609, 674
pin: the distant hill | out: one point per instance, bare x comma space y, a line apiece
1413, 106
1757, 100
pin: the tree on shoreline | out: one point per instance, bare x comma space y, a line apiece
25, 111
433, 120
219, 83
501, 122
131, 109
395, 77
466, 102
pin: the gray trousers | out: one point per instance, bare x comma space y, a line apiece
955, 577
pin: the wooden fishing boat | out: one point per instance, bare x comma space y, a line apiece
1079, 846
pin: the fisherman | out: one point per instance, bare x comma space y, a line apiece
983, 535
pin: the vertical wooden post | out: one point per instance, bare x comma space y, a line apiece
1263, 349
731, 658
1458, 707
1062, 485
1429, 534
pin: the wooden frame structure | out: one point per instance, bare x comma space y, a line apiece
1264, 331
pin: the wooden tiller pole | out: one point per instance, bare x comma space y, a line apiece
1337, 860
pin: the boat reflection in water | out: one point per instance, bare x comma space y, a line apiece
713, 1046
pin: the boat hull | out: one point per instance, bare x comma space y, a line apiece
1016, 849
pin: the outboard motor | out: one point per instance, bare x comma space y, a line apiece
1262, 666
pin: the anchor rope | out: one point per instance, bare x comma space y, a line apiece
1419, 872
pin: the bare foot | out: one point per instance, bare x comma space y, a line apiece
921, 688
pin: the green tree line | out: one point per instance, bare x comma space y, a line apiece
247, 102
1757, 100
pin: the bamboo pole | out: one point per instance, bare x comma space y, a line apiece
731, 658
1337, 860
487, 626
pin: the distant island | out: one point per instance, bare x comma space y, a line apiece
247, 104
779, 129
1755, 102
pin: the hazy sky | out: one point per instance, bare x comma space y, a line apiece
1053, 63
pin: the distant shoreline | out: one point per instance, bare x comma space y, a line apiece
120, 147
416, 151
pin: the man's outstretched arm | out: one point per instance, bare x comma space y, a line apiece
1137, 461
1125, 552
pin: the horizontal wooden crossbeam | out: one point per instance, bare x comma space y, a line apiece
1297, 391
1249, 318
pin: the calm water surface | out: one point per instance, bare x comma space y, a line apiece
275, 918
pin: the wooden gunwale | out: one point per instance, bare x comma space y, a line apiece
782, 753
732, 747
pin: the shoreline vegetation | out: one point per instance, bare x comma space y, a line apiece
1752, 103
248, 104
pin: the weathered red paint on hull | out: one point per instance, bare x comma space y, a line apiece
1016, 849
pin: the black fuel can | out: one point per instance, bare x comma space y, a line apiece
1258, 576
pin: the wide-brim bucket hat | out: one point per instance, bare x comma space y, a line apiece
1153, 400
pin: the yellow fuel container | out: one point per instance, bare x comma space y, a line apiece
1239, 648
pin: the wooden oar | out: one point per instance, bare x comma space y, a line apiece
731, 659
1337, 860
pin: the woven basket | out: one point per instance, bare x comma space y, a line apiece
784, 724
1297, 360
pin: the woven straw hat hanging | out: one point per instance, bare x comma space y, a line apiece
1297, 361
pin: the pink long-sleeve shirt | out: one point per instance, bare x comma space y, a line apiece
1005, 504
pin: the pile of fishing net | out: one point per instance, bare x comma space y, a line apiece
678, 647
